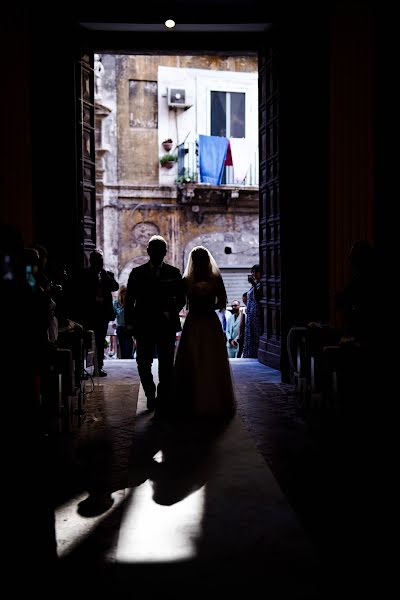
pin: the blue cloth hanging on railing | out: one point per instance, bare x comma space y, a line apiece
212, 153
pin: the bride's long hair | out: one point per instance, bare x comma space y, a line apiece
201, 266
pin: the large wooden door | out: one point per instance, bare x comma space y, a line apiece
270, 343
86, 172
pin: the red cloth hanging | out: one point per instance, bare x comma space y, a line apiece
228, 158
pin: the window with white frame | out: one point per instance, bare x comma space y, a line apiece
228, 119
228, 114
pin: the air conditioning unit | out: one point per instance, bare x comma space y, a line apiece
177, 98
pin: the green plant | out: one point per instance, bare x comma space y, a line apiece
166, 158
186, 177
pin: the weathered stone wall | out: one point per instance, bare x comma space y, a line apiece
131, 203
178, 225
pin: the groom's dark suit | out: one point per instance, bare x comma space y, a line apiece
154, 298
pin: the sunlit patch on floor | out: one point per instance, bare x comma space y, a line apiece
75, 520
151, 532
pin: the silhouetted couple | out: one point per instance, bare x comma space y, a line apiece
200, 384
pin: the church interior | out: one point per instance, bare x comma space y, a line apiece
292, 496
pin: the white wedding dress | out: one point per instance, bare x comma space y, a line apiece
203, 382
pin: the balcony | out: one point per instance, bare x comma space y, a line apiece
188, 169
201, 198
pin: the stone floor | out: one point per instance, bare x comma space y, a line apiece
277, 498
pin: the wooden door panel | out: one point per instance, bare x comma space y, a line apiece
86, 172
270, 342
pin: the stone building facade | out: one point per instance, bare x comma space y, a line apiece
136, 197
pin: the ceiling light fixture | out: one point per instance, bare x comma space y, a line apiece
169, 23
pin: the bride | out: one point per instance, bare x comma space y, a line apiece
202, 372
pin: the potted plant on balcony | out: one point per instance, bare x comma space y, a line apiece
168, 160
167, 144
186, 178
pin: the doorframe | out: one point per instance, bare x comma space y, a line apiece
260, 43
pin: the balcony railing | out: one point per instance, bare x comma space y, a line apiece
188, 168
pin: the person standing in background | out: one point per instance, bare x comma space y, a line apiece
125, 339
95, 308
242, 326
253, 327
232, 330
223, 318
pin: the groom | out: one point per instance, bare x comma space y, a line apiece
154, 298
